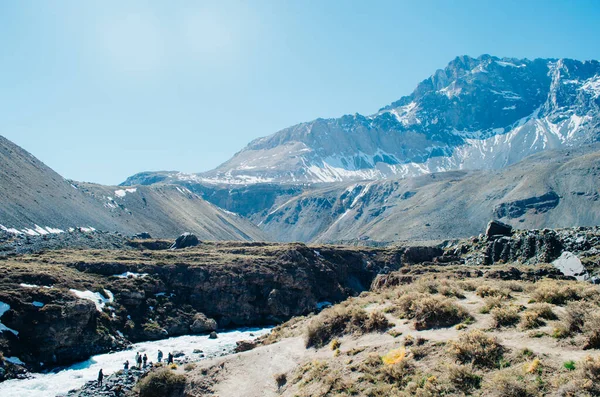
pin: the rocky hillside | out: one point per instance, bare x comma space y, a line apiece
37, 201
509, 325
549, 189
477, 113
62, 306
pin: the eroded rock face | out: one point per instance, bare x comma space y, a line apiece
159, 294
65, 331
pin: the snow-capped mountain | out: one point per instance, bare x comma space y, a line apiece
477, 113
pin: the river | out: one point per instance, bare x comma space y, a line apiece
61, 381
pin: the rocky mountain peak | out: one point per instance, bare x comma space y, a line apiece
476, 113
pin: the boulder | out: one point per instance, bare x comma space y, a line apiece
142, 235
421, 254
570, 265
497, 228
203, 324
185, 240
213, 335
244, 345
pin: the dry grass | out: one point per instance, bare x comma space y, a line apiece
491, 302
339, 320
464, 378
512, 382
505, 316
429, 311
162, 382
492, 290
562, 292
477, 348
584, 380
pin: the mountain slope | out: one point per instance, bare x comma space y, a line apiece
36, 200
549, 189
477, 113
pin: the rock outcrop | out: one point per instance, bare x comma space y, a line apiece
185, 240
497, 228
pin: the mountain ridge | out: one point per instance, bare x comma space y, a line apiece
38, 201
452, 120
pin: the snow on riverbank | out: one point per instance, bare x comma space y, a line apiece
4, 307
75, 376
99, 300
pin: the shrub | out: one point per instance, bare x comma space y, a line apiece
511, 383
431, 311
450, 289
543, 310
534, 316
530, 320
558, 293
339, 320
574, 318
489, 290
505, 316
477, 348
491, 302
514, 286
464, 378
468, 285
591, 330
588, 375
377, 322
189, 367
162, 382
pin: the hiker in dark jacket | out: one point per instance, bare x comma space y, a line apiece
126, 367
100, 377
160, 356
145, 358
170, 358
139, 362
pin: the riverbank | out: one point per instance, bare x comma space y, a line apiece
66, 382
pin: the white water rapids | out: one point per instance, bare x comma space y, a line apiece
75, 376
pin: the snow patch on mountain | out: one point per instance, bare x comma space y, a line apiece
123, 192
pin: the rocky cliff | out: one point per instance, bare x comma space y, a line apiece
64, 306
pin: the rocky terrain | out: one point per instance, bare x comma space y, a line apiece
476, 113
485, 316
37, 201
64, 305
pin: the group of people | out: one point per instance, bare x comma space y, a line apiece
141, 361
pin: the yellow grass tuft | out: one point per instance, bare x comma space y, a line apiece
394, 356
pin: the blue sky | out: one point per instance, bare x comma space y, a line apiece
100, 90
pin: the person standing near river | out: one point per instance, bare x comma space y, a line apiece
126, 367
139, 361
160, 356
145, 359
100, 378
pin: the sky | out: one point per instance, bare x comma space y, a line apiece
101, 90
